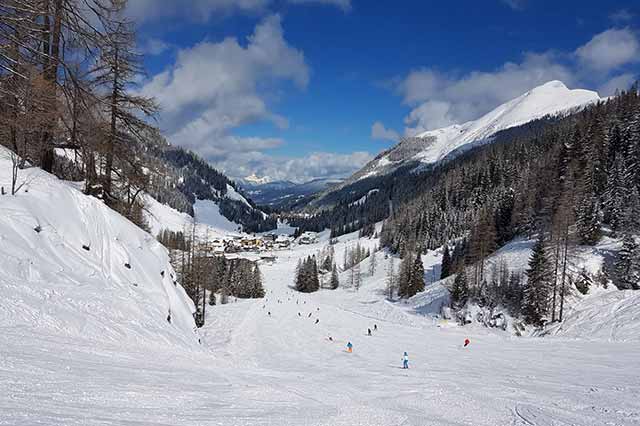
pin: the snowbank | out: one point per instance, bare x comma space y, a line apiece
611, 315
72, 267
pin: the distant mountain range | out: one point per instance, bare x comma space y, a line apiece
428, 148
282, 194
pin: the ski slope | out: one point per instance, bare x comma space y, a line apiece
80, 344
210, 222
256, 369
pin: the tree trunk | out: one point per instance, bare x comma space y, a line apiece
555, 281
51, 58
112, 130
564, 272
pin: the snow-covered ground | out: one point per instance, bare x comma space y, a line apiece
208, 213
72, 267
210, 222
81, 345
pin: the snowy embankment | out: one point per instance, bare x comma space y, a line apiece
601, 314
210, 222
72, 268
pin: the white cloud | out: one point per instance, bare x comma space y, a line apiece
440, 100
379, 132
154, 46
300, 169
214, 88
621, 15
430, 115
345, 5
197, 10
515, 4
619, 82
609, 50
203, 10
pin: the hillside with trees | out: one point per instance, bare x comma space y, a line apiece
69, 103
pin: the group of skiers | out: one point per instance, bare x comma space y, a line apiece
405, 356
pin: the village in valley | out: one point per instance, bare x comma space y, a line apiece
258, 243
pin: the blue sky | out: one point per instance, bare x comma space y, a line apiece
300, 89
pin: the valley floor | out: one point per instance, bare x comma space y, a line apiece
281, 369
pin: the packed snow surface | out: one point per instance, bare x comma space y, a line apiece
208, 213
81, 345
160, 216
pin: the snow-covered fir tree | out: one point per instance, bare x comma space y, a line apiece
334, 281
445, 269
627, 264
538, 286
307, 280
372, 263
460, 290
411, 278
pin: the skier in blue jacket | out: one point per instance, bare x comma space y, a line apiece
405, 361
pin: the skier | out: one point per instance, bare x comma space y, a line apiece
299, 314
330, 339
309, 315
269, 313
466, 342
405, 361
375, 327
317, 320
349, 347
368, 332
169, 317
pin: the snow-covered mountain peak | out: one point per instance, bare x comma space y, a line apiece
548, 99
551, 98
256, 180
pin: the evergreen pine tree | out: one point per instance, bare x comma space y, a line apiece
256, 278
538, 286
417, 277
588, 220
391, 278
326, 264
314, 280
307, 280
614, 196
357, 276
405, 277
460, 290
372, 263
627, 265
632, 214
445, 270
300, 283
334, 281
